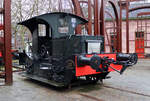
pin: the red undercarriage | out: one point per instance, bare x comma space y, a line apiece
87, 70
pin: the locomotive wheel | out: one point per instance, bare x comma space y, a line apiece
93, 79
28, 65
43, 51
97, 78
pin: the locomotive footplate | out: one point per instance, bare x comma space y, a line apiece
41, 79
79, 81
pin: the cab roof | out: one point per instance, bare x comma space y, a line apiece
41, 17
52, 21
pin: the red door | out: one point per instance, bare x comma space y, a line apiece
139, 44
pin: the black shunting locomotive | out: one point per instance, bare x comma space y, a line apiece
58, 56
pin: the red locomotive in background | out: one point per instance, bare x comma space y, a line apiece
2, 47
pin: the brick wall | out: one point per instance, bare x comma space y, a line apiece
132, 30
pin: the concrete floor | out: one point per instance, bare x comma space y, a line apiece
133, 85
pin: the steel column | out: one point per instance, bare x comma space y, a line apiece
127, 26
89, 18
89, 24
78, 12
7, 42
120, 4
118, 25
102, 19
96, 18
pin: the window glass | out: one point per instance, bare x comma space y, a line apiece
42, 29
50, 32
140, 34
93, 47
63, 26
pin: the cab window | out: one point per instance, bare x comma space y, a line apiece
41, 30
63, 26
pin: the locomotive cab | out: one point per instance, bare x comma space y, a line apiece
51, 26
60, 56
